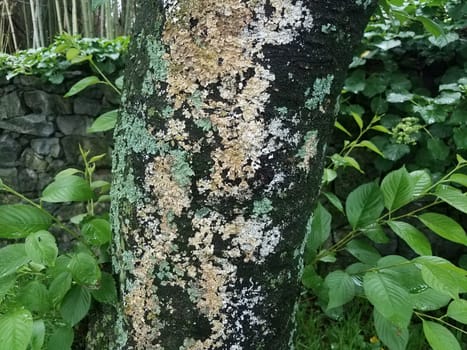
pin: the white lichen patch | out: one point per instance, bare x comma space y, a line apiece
308, 151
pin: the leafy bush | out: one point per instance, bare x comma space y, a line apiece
44, 290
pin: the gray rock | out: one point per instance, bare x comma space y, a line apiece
42, 102
46, 147
9, 151
27, 181
73, 124
28, 80
10, 106
32, 160
86, 106
9, 176
31, 124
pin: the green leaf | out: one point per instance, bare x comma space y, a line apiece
72, 53
38, 335
430, 25
442, 275
457, 310
332, 198
364, 205
59, 287
396, 338
75, 305
453, 197
358, 119
413, 237
12, 257
15, 329
61, 338
363, 251
104, 122
421, 182
339, 126
429, 300
341, 288
397, 188
320, 227
460, 179
19, 220
42, 248
67, 189
84, 269
437, 148
107, 292
34, 296
460, 137
439, 337
329, 175
67, 172
381, 128
371, 146
376, 233
388, 298
398, 97
355, 82
6, 283
444, 226
96, 232
340, 161
82, 84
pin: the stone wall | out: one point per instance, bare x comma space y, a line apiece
40, 130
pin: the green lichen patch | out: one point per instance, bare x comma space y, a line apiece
262, 206
321, 88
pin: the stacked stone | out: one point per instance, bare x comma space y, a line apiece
40, 130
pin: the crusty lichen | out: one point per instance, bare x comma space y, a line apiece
209, 67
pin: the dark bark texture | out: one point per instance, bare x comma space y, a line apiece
218, 160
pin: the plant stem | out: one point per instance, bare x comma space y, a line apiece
421, 315
91, 62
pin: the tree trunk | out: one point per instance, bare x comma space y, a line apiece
218, 161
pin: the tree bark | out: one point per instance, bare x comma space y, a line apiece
218, 161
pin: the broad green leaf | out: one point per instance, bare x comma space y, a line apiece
395, 337
97, 158
96, 232
429, 299
439, 337
104, 122
329, 175
72, 53
388, 44
41, 248
320, 227
19, 220
444, 226
457, 310
59, 287
12, 257
376, 233
332, 198
84, 269
6, 283
460, 179
421, 181
61, 338
398, 97
38, 335
355, 82
403, 272
430, 25
442, 275
397, 188
107, 292
371, 146
75, 305
341, 288
364, 205
82, 84
413, 237
68, 172
453, 197
34, 296
15, 329
388, 298
363, 251
67, 189
311, 279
